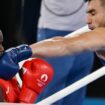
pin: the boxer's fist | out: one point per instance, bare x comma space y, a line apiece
10, 59
10, 90
36, 74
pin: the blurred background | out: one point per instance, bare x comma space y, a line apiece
18, 22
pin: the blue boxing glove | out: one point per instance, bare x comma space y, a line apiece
9, 60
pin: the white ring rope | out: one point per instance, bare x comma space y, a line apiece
79, 31
72, 88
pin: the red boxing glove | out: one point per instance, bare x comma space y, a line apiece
10, 90
35, 74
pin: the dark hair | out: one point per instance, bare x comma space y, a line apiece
87, 0
102, 2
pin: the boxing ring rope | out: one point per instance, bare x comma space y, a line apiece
79, 31
72, 88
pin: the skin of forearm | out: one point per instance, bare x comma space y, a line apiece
60, 46
49, 48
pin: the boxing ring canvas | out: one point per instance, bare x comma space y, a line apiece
70, 89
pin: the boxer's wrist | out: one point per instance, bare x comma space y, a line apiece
20, 52
24, 52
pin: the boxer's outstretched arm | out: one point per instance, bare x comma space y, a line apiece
89, 41
58, 46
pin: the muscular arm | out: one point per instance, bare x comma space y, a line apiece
89, 41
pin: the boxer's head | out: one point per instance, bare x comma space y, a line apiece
1, 40
95, 13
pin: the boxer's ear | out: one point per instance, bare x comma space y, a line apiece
1, 36
1, 45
